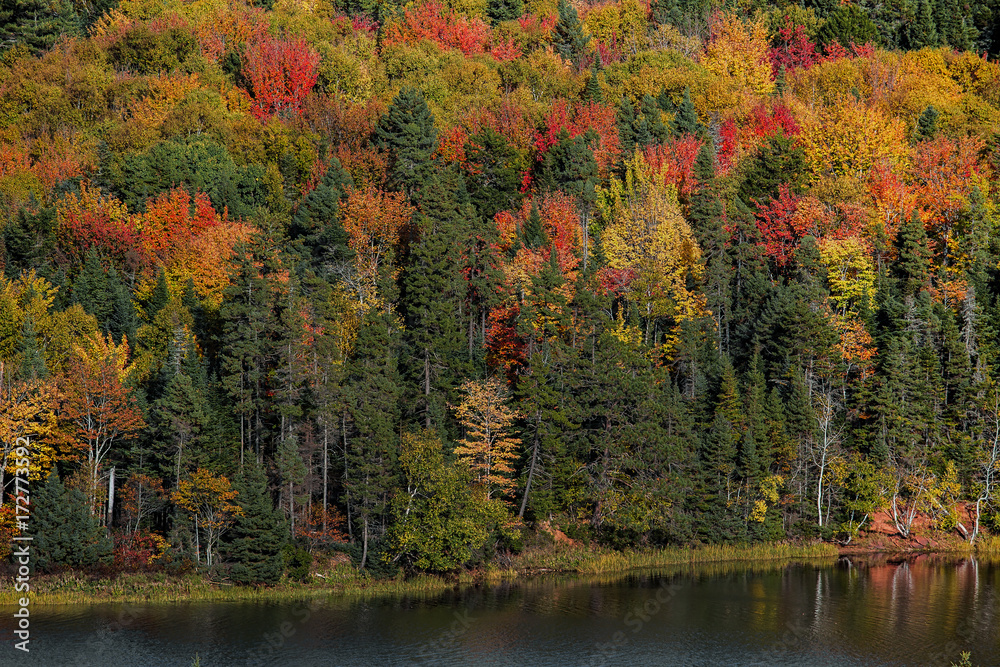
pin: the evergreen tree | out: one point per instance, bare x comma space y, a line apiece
432, 299
923, 31
65, 533
30, 241
706, 219
494, 180
658, 131
36, 24
250, 329
407, 132
626, 120
32, 360
847, 25
102, 294
253, 544
686, 119
927, 123
778, 162
532, 235
570, 166
316, 224
665, 12
372, 395
569, 39
592, 91
504, 10
912, 268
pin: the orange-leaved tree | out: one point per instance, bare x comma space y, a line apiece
489, 447
95, 403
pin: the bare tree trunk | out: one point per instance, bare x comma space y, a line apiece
531, 470
111, 499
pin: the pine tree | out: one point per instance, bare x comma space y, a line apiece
253, 543
568, 37
407, 132
504, 10
65, 533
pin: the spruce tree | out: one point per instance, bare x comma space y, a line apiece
407, 132
927, 123
658, 131
568, 37
778, 162
432, 298
66, 534
531, 235
705, 217
253, 544
923, 31
30, 241
504, 10
846, 25
36, 24
32, 360
592, 91
912, 267
570, 166
372, 395
316, 225
494, 181
686, 119
625, 120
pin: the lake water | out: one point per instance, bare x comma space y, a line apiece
865, 613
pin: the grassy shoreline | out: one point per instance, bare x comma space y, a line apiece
341, 580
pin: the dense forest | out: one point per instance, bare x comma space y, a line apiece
410, 281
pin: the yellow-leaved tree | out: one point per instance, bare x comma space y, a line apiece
489, 447
650, 245
208, 498
738, 54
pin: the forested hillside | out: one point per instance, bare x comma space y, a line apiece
422, 277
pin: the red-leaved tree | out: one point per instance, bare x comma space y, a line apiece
281, 73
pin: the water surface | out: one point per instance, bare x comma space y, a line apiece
917, 612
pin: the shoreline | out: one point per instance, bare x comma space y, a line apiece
341, 580
337, 579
